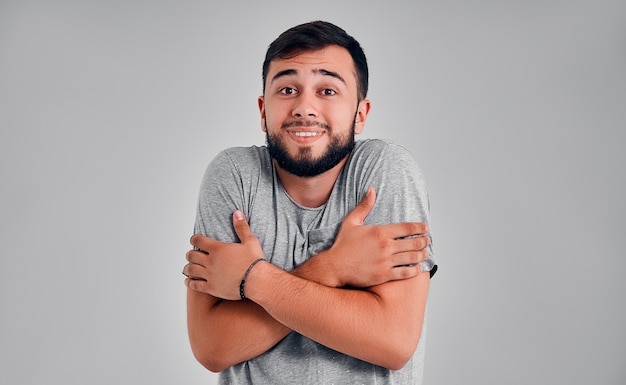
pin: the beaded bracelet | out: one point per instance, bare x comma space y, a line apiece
245, 276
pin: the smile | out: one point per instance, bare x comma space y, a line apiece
306, 133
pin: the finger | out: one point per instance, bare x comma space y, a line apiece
404, 272
194, 271
201, 242
196, 257
405, 229
409, 258
411, 244
359, 213
241, 226
197, 285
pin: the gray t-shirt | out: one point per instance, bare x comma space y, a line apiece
244, 178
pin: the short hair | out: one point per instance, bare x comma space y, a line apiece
313, 36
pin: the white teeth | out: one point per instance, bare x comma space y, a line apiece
306, 133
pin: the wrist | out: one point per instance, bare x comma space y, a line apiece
259, 282
317, 269
242, 283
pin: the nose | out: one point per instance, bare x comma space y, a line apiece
304, 107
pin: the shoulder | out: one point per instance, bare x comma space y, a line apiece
242, 159
389, 166
380, 147
236, 166
382, 152
251, 154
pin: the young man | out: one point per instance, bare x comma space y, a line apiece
323, 274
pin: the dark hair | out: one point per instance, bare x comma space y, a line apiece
314, 36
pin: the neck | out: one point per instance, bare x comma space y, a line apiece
310, 191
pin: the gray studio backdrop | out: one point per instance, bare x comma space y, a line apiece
111, 110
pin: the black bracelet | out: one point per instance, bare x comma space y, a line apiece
245, 276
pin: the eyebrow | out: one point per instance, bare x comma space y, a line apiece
323, 72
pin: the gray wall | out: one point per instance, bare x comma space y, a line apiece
111, 110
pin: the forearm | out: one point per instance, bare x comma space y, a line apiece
315, 269
225, 333
380, 325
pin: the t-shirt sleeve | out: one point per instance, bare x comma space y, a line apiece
219, 196
401, 193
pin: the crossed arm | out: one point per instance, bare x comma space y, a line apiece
364, 297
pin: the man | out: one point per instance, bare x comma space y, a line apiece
323, 274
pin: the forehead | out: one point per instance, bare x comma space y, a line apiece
332, 58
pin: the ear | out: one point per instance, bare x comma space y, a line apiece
362, 110
261, 103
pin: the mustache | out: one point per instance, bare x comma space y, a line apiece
304, 123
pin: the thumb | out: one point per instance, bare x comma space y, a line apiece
241, 226
359, 213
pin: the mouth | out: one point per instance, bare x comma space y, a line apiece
302, 137
306, 133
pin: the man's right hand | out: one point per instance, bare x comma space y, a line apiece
365, 256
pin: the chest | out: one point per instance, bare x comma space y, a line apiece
290, 234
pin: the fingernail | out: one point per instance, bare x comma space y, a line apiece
238, 215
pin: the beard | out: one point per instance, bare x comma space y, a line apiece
303, 164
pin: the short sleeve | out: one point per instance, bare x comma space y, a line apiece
401, 192
219, 196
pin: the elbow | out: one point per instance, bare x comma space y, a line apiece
210, 356
400, 353
396, 361
212, 362
214, 365
209, 353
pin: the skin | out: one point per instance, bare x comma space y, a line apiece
382, 320
318, 86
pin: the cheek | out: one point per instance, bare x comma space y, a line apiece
272, 122
276, 113
340, 116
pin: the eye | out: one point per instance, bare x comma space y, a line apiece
287, 91
328, 92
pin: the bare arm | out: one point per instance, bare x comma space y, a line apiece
380, 325
224, 333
